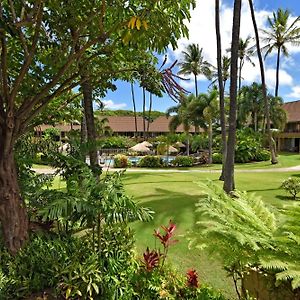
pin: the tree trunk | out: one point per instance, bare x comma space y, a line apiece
229, 166
90, 121
264, 89
13, 215
210, 142
196, 84
277, 71
188, 144
144, 112
134, 109
149, 113
221, 81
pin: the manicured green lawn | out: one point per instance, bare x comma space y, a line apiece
173, 196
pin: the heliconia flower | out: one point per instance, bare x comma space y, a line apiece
166, 238
192, 278
151, 259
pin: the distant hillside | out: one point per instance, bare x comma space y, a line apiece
123, 112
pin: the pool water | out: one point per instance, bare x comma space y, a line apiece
109, 162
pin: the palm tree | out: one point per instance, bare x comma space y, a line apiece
182, 116
210, 105
225, 71
251, 103
281, 33
264, 88
245, 53
134, 108
229, 165
194, 63
223, 66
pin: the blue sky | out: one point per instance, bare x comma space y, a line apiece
201, 31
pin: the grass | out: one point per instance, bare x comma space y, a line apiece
173, 196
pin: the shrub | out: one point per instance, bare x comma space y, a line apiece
217, 158
262, 155
183, 161
203, 158
121, 161
151, 161
292, 186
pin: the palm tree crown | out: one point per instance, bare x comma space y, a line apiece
194, 63
282, 32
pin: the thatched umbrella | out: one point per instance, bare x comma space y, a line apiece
180, 145
147, 144
140, 148
172, 149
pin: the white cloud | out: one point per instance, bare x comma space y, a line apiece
112, 105
295, 94
202, 32
284, 78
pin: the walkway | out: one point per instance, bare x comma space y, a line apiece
145, 170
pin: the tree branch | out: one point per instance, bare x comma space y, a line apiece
27, 105
21, 35
29, 58
62, 89
5, 86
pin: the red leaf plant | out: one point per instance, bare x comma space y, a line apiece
166, 239
192, 278
151, 259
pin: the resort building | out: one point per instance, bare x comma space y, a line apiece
123, 125
289, 139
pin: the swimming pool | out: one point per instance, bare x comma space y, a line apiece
109, 162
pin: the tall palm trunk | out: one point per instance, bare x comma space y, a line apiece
221, 81
210, 142
229, 165
277, 71
264, 89
13, 214
196, 84
144, 112
188, 143
134, 109
149, 113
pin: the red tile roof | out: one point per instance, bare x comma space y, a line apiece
293, 111
127, 124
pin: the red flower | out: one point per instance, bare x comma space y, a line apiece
192, 278
151, 259
166, 238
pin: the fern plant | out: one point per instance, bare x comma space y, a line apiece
244, 233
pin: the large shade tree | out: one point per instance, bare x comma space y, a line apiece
284, 31
194, 63
40, 55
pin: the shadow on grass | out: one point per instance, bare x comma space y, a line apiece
287, 198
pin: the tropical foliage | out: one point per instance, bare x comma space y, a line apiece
244, 233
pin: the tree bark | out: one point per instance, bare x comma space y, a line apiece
277, 71
134, 109
13, 214
144, 112
264, 89
229, 165
221, 81
149, 113
196, 84
89, 118
210, 142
